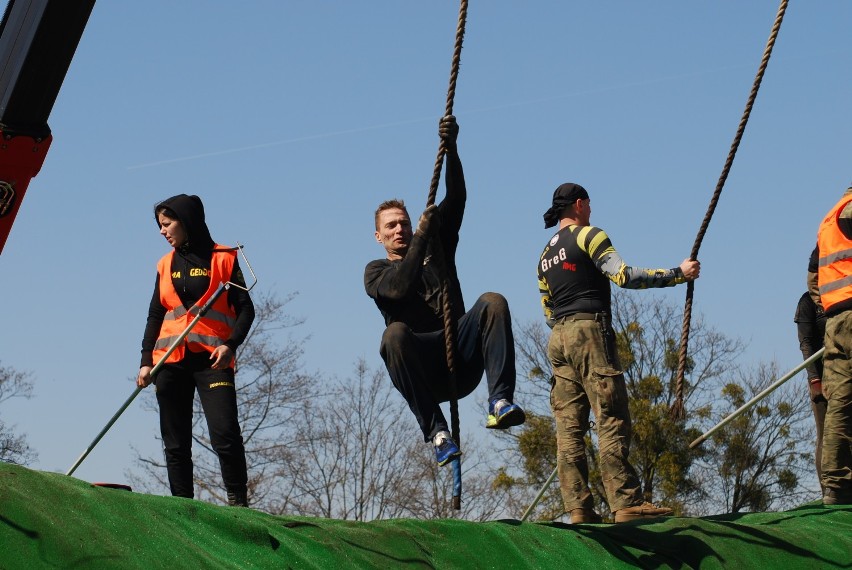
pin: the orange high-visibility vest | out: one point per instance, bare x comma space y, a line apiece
835, 259
211, 330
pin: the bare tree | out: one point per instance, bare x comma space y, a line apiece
271, 393
428, 493
361, 457
531, 358
351, 452
761, 459
13, 445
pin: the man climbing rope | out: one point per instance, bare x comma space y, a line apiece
406, 287
574, 272
834, 277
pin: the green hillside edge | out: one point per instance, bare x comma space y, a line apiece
49, 520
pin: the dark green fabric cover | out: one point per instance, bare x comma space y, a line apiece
49, 520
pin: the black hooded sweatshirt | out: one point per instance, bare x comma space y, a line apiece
190, 285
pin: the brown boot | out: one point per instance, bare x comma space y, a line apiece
835, 497
644, 511
585, 516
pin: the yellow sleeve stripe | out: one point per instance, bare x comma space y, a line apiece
596, 242
581, 235
590, 238
544, 291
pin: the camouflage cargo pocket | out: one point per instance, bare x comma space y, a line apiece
608, 384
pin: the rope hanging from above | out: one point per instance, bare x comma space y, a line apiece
678, 411
451, 95
437, 254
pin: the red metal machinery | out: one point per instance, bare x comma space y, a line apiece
38, 38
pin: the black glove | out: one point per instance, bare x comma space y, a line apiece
448, 130
429, 222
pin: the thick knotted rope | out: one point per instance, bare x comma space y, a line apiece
678, 411
437, 252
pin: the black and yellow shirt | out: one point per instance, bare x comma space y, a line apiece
576, 267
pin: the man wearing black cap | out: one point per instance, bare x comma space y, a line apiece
406, 287
574, 272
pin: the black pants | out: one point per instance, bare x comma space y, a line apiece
176, 384
818, 408
417, 362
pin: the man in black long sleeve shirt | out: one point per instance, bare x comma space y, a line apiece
406, 287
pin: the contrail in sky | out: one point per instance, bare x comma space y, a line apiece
274, 143
426, 119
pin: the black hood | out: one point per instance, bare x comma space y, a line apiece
190, 212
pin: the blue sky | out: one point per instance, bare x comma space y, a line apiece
293, 120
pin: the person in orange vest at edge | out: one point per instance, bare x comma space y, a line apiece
834, 278
574, 274
406, 287
810, 327
187, 277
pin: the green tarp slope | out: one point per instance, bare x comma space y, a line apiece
49, 520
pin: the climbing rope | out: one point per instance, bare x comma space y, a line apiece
678, 412
451, 95
437, 253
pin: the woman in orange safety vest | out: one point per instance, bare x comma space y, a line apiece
187, 278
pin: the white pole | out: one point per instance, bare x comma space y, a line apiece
540, 494
815, 356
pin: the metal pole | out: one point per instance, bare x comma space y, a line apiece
103, 431
457, 483
540, 494
222, 287
815, 356
206, 307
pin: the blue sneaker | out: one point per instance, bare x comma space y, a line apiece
503, 414
445, 448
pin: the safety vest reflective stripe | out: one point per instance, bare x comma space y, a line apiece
835, 285
832, 257
210, 330
215, 315
834, 275
166, 341
212, 314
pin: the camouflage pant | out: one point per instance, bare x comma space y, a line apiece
588, 378
837, 387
